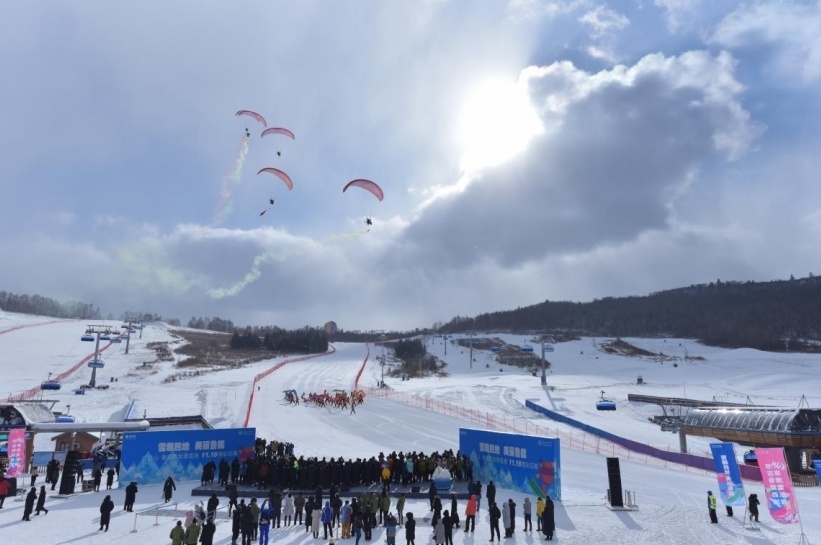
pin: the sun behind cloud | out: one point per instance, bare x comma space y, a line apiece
497, 122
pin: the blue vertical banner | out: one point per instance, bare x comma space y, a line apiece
731, 488
519, 462
817, 465
152, 456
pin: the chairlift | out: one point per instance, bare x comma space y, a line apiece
605, 404
750, 458
105, 337
65, 419
116, 340
87, 338
50, 385
96, 364
495, 348
527, 348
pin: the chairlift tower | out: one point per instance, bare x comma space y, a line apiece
96, 330
382, 338
549, 348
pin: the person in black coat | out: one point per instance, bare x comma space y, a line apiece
447, 522
31, 497
548, 519
41, 501
512, 505
130, 496
490, 493
211, 506
431, 494
454, 511
236, 521
97, 477
753, 503
207, 532
168, 489
109, 478
495, 515
105, 512
246, 526
410, 529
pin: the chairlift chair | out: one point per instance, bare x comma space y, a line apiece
87, 338
96, 364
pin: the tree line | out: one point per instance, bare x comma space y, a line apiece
776, 315
45, 306
275, 339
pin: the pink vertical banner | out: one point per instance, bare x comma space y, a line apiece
16, 452
777, 485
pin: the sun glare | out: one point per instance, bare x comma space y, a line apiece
497, 123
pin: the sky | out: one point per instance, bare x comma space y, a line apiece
527, 150
422, 414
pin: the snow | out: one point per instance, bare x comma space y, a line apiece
421, 414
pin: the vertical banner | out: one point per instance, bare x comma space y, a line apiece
730, 486
525, 463
817, 464
16, 452
777, 485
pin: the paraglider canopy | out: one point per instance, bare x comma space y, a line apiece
330, 327
367, 185
278, 130
279, 174
254, 115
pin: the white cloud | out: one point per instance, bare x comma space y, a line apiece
602, 20
791, 29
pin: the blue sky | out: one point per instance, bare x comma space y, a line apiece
528, 150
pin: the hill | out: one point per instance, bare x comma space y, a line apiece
777, 315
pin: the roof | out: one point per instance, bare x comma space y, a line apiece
28, 412
767, 419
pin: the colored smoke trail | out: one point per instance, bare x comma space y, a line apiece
233, 178
250, 276
261, 259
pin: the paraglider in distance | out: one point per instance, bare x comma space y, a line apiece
367, 185
330, 327
247, 133
254, 115
279, 174
278, 130
368, 221
271, 203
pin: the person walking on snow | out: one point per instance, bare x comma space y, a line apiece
41, 501
168, 489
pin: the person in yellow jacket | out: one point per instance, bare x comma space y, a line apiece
539, 511
177, 534
711, 507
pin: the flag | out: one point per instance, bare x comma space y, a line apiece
730, 486
777, 485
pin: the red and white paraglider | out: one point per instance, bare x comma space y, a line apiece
254, 115
367, 185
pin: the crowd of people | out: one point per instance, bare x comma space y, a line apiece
275, 465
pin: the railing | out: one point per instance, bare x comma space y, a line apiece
156, 509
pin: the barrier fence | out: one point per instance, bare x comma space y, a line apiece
574, 440
267, 372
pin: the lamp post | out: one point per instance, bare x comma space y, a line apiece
548, 348
470, 335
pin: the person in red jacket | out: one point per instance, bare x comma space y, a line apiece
470, 514
4, 490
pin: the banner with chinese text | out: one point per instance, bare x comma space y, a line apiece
152, 456
16, 452
777, 481
520, 462
817, 464
730, 485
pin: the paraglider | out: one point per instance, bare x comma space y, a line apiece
270, 203
278, 130
368, 221
367, 185
254, 115
247, 133
279, 174
330, 327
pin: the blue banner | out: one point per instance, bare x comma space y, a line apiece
817, 465
519, 462
731, 489
152, 456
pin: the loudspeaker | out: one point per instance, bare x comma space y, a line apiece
70, 469
614, 478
